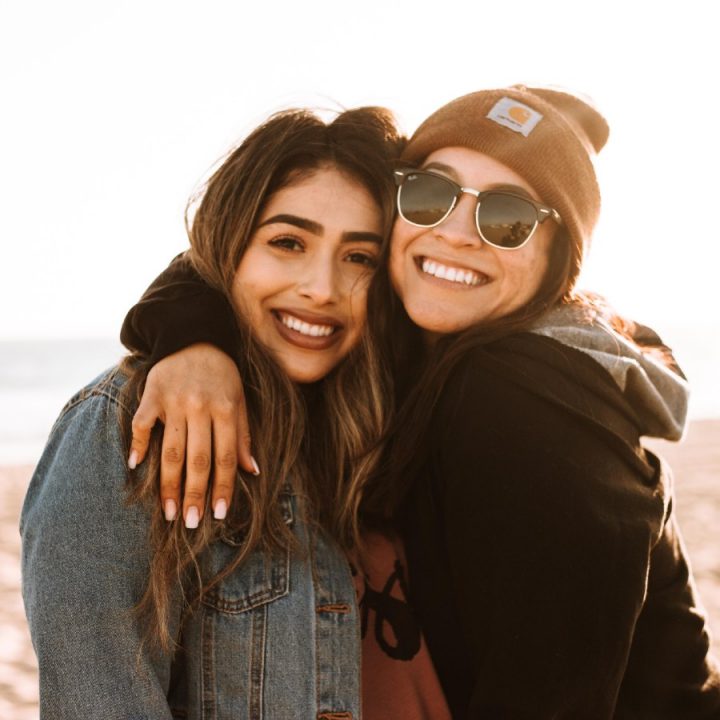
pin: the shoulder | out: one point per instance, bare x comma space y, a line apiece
90, 423
106, 389
518, 441
543, 365
530, 400
523, 371
82, 470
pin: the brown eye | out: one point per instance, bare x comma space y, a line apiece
362, 258
287, 243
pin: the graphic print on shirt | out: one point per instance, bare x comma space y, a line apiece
396, 630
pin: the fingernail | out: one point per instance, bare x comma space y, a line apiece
170, 510
192, 519
220, 509
256, 469
132, 460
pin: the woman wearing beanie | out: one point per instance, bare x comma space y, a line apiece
544, 562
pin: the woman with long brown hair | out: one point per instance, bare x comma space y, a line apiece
249, 611
544, 560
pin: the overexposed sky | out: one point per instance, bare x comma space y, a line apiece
112, 112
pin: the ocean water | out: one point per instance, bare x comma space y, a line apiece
38, 377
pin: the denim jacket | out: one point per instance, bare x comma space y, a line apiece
278, 638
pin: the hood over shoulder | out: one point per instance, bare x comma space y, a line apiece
657, 392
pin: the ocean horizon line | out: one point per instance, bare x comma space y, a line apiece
39, 375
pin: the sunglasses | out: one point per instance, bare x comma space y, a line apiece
503, 219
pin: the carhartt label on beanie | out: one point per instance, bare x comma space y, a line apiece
514, 115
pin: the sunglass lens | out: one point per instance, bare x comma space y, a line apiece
425, 199
505, 221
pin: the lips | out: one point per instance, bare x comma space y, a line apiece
307, 330
461, 277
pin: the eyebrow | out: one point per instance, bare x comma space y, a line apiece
317, 229
516, 189
443, 168
509, 187
303, 223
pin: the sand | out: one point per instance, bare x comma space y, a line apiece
696, 465
696, 468
18, 667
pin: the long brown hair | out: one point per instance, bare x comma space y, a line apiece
327, 459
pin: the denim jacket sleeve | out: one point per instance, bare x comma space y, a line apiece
84, 564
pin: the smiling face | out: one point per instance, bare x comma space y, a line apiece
302, 282
448, 278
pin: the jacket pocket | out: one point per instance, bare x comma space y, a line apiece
260, 579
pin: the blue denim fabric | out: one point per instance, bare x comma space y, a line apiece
278, 638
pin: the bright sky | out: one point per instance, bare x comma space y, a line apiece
114, 111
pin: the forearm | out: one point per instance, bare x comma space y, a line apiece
177, 310
670, 670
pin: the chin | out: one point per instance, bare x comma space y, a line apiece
437, 323
307, 375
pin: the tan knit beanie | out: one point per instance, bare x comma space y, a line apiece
546, 136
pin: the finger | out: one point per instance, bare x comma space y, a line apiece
197, 468
224, 433
244, 439
172, 460
143, 421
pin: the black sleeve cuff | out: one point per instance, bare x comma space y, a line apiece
177, 310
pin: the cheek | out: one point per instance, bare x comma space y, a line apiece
245, 305
398, 248
247, 293
395, 273
528, 272
237, 292
541, 260
260, 275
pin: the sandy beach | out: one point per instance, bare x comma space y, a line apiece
696, 464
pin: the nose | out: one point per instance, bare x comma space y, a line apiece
458, 228
320, 281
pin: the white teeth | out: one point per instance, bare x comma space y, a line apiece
465, 277
306, 328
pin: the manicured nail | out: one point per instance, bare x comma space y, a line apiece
132, 460
256, 469
220, 510
192, 518
170, 510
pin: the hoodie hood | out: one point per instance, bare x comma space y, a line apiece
657, 393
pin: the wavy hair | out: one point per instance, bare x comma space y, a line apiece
323, 439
